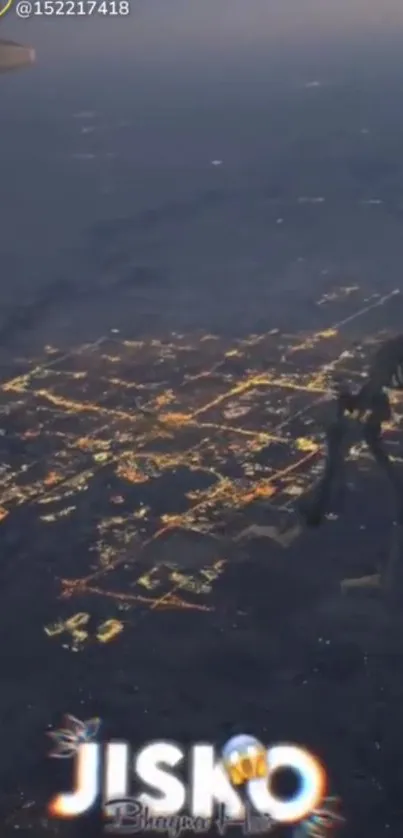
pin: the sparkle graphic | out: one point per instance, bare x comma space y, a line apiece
323, 820
74, 733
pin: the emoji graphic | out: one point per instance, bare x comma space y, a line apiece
244, 759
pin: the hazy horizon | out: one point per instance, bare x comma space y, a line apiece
122, 117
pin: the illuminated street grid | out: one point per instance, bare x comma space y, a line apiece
141, 437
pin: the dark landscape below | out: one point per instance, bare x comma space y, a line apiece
129, 468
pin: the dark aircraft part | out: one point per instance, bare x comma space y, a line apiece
13, 56
371, 407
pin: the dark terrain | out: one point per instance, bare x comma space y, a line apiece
127, 516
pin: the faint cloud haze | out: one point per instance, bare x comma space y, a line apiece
211, 138
158, 29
